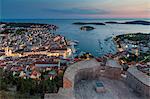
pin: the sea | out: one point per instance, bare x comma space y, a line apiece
93, 41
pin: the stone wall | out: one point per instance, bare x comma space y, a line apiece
67, 83
137, 85
96, 72
91, 70
87, 70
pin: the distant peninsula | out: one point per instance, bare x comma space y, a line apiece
88, 23
130, 22
26, 25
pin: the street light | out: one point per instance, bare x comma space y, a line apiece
128, 55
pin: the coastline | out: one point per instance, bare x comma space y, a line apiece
74, 33
59, 38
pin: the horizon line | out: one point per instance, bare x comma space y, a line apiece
65, 18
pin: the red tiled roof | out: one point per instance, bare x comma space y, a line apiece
46, 63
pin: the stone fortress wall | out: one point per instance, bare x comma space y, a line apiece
91, 69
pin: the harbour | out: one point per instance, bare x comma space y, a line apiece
88, 40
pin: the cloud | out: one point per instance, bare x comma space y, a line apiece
78, 11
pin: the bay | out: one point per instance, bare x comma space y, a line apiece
88, 40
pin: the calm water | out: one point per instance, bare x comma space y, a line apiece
88, 40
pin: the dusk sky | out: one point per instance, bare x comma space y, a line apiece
22, 9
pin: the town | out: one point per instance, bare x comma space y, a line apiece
135, 49
34, 61
32, 53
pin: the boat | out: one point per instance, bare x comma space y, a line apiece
75, 41
108, 38
72, 47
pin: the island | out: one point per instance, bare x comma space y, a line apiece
111, 22
139, 22
88, 23
87, 28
